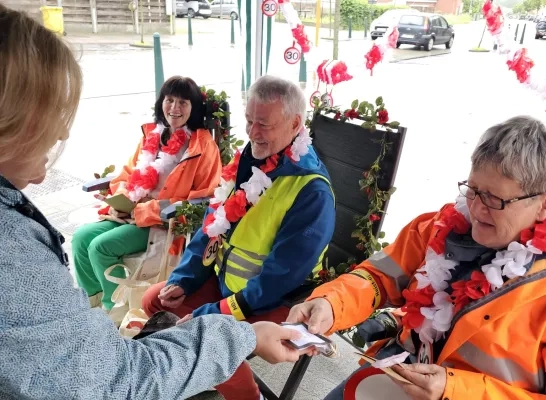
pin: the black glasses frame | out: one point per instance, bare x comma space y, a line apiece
482, 194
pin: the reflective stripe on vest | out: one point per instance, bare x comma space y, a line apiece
388, 266
252, 240
503, 369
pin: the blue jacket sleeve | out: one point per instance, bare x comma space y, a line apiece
191, 274
54, 346
306, 230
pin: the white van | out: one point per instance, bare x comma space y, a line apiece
389, 18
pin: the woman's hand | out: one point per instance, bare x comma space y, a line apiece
270, 343
123, 191
429, 380
117, 214
171, 296
316, 313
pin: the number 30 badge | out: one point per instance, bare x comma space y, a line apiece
211, 251
425, 354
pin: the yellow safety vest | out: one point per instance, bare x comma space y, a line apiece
242, 255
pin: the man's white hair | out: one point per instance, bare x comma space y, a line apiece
517, 147
268, 89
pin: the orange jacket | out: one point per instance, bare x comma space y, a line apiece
195, 176
496, 349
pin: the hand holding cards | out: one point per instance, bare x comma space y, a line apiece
324, 345
388, 370
120, 202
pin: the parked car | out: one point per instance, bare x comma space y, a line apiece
540, 29
193, 8
426, 30
224, 8
389, 18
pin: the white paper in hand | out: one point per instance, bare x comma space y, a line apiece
307, 339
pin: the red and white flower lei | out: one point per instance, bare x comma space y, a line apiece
429, 309
228, 209
150, 164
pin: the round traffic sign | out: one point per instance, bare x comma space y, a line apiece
315, 95
292, 55
269, 7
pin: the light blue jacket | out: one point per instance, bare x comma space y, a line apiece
54, 346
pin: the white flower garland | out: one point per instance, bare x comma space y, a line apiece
437, 272
254, 188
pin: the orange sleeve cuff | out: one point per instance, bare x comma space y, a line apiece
352, 299
147, 214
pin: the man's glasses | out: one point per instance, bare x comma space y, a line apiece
489, 200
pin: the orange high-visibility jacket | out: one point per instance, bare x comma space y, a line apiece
496, 349
195, 176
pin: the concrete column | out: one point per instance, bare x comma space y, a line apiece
93, 6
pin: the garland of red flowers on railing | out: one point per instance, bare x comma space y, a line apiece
372, 115
296, 26
518, 59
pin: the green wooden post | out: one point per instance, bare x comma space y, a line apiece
303, 70
232, 30
158, 62
190, 36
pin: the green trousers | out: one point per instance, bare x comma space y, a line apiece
99, 245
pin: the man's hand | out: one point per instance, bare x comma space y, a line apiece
429, 380
171, 296
316, 313
270, 346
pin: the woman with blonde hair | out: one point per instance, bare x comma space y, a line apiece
53, 345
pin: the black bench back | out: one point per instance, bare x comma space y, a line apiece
348, 150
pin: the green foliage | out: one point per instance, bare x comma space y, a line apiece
476, 6
372, 115
227, 142
359, 10
528, 6
108, 170
189, 217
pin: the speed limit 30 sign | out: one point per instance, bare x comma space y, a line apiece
269, 7
292, 55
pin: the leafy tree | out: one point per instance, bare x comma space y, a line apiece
472, 6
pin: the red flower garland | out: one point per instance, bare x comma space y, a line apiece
373, 57
415, 299
464, 292
521, 64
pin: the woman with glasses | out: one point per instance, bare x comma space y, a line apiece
470, 278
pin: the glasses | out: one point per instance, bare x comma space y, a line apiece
489, 200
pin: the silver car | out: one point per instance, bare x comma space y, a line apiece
193, 8
224, 8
